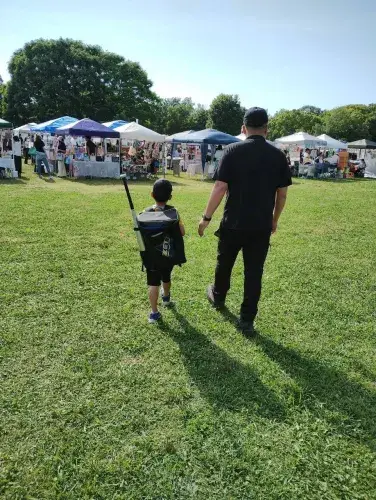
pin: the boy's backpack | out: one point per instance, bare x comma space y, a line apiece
164, 244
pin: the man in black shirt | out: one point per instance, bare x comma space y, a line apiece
255, 175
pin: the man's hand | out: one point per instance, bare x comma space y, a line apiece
274, 227
202, 226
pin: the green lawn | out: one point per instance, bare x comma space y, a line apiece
97, 404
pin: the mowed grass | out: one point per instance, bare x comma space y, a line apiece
97, 404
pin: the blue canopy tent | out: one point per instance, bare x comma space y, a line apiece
87, 127
114, 124
51, 126
204, 137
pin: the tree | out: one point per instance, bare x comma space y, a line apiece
50, 78
286, 122
348, 123
198, 118
311, 109
226, 114
3, 98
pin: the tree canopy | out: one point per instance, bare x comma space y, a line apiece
52, 78
226, 114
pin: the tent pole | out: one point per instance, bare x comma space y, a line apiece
120, 155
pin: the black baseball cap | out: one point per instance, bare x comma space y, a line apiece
162, 190
255, 117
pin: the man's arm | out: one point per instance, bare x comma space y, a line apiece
219, 190
280, 202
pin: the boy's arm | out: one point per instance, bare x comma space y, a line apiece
181, 226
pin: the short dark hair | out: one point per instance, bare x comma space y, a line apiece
256, 117
162, 190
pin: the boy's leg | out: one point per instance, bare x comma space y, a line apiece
153, 297
166, 285
154, 283
166, 289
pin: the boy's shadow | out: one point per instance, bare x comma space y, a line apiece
221, 380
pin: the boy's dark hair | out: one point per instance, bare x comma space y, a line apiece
162, 190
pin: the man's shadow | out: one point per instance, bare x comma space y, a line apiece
223, 381
323, 388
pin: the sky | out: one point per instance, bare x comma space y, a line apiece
272, 53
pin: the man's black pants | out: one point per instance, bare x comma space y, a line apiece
255, 246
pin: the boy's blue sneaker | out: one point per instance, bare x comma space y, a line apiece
154, 317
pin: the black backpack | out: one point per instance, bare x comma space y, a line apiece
164, 244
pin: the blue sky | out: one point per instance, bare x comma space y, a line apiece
275, 53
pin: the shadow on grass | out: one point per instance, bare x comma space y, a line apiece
14, 181
323, 384
221, 380
324, 387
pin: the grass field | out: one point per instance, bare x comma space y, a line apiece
97, 404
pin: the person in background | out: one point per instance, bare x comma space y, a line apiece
90, 147
17, 155
333, 160
307, 157
25, 150
41, 157
61, 150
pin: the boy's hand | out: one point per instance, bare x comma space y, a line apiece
202, 226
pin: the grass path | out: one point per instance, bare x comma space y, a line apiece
95, 404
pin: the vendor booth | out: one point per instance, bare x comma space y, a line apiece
207, 139
80, 163
365, 153
142, 150
6, 158
302, 139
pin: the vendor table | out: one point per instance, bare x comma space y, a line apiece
7, 166
101, 169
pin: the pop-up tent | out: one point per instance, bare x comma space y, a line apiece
362, 144
5, 124
301, 139
24, 129
208, 136
114, 124
87, 127
51, 126
135, 132
176, 137
332, 143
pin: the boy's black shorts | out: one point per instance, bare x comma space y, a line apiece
157, 276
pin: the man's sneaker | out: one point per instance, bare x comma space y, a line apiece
247, 328
166, 301
217, 304
154, 317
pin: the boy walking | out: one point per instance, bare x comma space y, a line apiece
159, 260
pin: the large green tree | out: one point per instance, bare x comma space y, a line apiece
226, 114
51, 78
198, 118
348, 123
286, 122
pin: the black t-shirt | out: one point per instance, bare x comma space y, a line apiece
253, 170
39, 146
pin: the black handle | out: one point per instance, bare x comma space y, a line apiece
124, 178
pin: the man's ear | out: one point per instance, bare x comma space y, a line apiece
244, 130
152, 195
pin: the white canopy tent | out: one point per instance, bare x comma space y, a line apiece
302, 139
135, 132
24, 129
243, 137
331, 142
